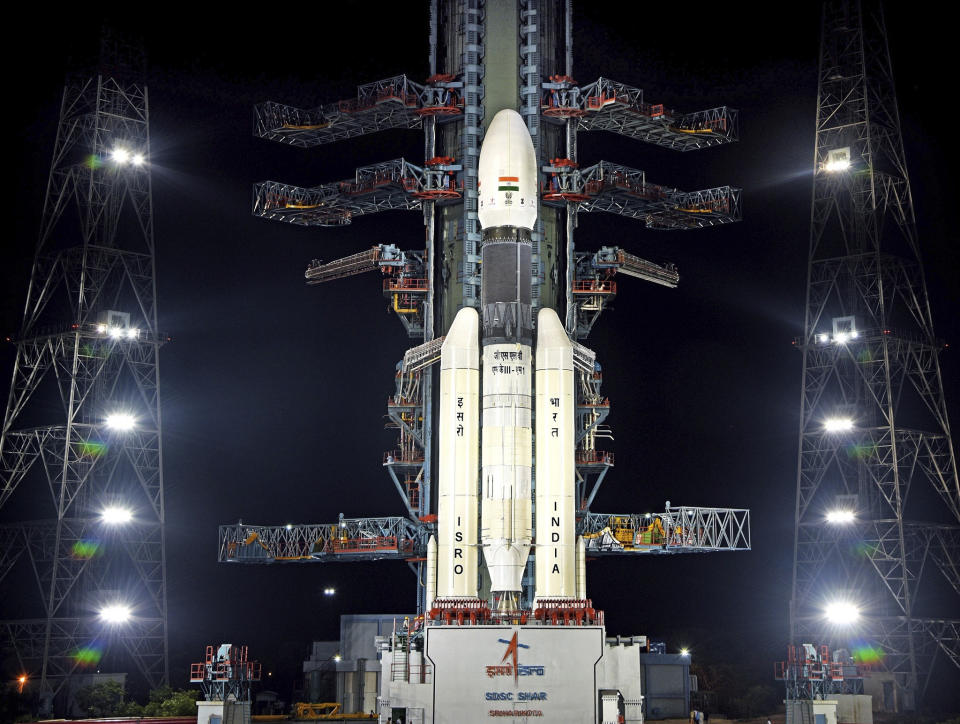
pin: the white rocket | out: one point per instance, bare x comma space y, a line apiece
503, 418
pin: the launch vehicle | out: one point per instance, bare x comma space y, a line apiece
493, 351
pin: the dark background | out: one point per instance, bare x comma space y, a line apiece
274, 393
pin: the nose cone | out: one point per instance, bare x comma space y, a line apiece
507, 174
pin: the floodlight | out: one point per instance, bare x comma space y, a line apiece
840, 516
823, 337
838, 159
115, 515
101, 329
133, 333
121, 421
835, 166
337, 657
115, 332
289, 526
115, 613
329, 591
684, 652
120, 155
138, 159
838, 424
841, 337
841, 613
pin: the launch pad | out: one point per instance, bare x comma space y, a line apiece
512, 673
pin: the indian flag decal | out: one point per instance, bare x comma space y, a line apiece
509, 183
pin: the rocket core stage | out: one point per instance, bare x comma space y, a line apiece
500, 423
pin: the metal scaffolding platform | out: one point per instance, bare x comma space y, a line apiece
395, 102
385, 186
681, 530
349, 539
684, 529
606, 105
622, 190
594, 287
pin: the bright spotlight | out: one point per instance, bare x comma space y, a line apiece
121, 421
101, 329
115, 613
115, 515
337, 657
115, 332
841, 613
841, 337
840, 517
138, 159
838, 424
289, 526
133, 333
684, 652
329, 591
837, 160
823, 337
120, 156
835, 166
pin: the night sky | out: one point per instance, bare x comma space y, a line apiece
274, 393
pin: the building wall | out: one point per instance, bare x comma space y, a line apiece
666, 685
854, 708
359, 668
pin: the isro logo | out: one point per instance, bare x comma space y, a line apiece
508, 665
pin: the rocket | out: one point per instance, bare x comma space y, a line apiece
487, 405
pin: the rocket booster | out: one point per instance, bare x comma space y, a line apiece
507, 212
458, 459
557, 569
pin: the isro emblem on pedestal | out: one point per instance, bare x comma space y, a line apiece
517, 670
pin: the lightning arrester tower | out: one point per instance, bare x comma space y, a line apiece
875, 452
81, 476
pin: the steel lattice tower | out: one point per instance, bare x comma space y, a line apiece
870, 357
88, 348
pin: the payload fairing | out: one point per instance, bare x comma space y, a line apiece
498, 422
